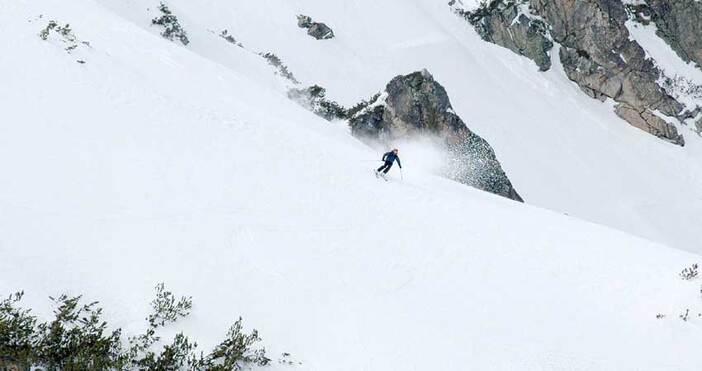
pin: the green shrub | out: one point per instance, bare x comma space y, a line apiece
171, 27
235, 352
275, 61
79, 339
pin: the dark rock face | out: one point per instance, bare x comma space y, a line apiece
501, 23
596, 51
633, 83
649, 122
598, 55
417, 105
318, 30
679, 23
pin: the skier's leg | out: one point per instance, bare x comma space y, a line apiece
387, 165
381, 168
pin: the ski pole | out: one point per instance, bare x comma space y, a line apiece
401, 177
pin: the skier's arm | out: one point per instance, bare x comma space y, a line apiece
384, 156
399, 163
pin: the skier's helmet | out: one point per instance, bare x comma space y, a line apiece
395, 150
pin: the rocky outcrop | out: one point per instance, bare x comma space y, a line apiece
595, 48
646, 121
633, 83
597, 54
318, 30
415, 105
679, 23
502, 22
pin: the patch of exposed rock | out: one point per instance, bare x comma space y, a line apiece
647, 121
595, 49
597, 54
678, 22
318, 30
415, 106
503, 22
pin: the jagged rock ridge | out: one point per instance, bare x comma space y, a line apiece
596, 53
678, 22
416, 105
503, 23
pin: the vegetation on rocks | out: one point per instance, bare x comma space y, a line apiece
314, 99
227, 36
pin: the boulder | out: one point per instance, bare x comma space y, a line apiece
414, 106
320, 31
647, 121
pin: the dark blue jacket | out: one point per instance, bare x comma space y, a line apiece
390, 157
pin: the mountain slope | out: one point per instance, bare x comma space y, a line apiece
154, 162
566, 151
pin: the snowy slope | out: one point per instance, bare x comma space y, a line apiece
153, 162
561, 149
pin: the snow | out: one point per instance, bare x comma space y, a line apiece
552, 140
468, 5
155, 162
665, 57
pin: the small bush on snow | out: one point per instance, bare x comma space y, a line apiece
76, 339
171, 27
314, 98
685, 316
230, 39
689, 272
79, 339
276, 62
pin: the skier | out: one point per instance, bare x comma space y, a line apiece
389, 158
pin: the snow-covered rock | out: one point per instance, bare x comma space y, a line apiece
416, 106
318, 30
505, 23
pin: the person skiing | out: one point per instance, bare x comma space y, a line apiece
389, 159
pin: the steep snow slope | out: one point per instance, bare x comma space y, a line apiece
153, 163
562, 150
